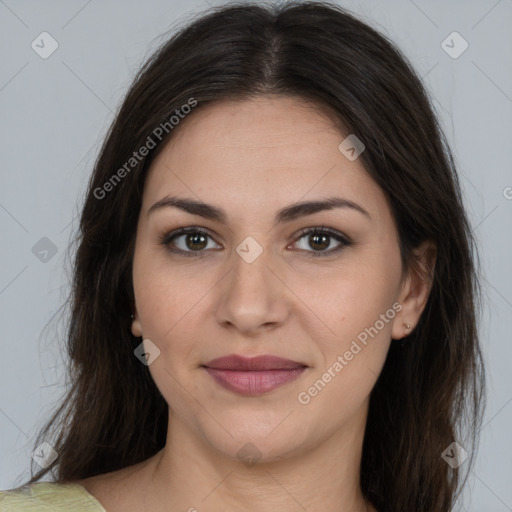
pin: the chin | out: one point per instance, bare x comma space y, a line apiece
251, 439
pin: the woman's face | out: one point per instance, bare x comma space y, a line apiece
252, 284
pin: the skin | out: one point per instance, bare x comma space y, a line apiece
252, 158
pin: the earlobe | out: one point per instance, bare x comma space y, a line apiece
136, 327
415, 290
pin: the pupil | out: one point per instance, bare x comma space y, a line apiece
316, 237
194, 238
197, 238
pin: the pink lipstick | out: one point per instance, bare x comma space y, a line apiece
253, 376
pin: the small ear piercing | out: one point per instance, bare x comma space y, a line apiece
131, 316
407, 326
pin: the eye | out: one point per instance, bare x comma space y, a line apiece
194, 240
320, 238
193, 243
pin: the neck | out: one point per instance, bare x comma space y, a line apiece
190, 474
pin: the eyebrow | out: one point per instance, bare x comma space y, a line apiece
286, 214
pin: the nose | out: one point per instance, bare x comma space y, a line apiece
253, 297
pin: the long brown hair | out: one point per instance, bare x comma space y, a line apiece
430, 391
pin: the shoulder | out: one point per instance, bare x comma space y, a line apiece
121, 489
49, 496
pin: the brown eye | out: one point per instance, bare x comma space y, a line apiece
319, 239
192, 241
195, 241
186, 241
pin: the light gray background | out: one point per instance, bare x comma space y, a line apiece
55, 112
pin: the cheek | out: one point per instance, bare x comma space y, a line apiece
341, 383
164, 295
167, 318
352, 297
166, 309
358, 306
168, 303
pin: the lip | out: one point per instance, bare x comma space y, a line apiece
253, 376
258, 363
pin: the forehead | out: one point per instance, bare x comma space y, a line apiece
265, 151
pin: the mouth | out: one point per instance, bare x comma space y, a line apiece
253, 376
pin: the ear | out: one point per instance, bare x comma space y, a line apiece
136, 327
415, 290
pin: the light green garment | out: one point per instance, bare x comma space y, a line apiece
49, 497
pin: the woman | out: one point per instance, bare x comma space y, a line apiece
274, 297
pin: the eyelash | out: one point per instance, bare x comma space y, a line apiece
167, 238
